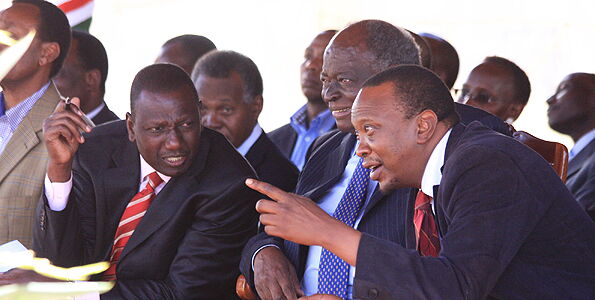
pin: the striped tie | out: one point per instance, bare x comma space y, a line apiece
428, 242
133, 214
333, 272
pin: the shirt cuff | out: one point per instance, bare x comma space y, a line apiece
90, 296
57, 193
254, 255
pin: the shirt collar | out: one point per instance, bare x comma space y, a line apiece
16, 114
146, 169
581, 143
299, 119
93, 113
249, 142
432, 173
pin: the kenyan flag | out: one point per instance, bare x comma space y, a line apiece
79, 12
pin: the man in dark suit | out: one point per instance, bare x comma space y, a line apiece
84, 74
181, 236
229, 86
355, 54
492, 217
312, 119
572, 112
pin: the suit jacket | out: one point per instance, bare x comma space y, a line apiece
581, 178
270, 165
509, 229
105, 115
22, 169
187, 245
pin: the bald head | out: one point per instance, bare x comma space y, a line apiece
425, 54
445, 60
355, 54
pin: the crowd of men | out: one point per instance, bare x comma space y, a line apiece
381, 186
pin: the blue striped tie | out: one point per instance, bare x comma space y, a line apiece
333, 272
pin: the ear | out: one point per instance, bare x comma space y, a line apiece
93, 79
427, 121
49, 53
514, 110
130, 127
256, 106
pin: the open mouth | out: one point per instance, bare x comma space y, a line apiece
343, 112
375, 168
175, 161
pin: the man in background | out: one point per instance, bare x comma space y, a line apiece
498, 86
572, 112
84, 74
445, 60
185, 50
313, 119
230, 88
28, 97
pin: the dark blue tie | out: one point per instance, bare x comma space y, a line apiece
333, 272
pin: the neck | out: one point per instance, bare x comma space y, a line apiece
441, 130
580, 132
314, 108
91, 103
17, 91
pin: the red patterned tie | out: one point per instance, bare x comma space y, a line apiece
133, 214
428, 242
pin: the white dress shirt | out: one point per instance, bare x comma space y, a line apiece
249, 142
432, 173
94, 112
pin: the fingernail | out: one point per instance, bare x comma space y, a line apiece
249, 181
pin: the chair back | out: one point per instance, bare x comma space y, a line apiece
554, 153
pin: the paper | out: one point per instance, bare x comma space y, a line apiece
10, 247
12, 54
52, 290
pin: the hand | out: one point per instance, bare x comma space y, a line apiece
17, 276
275, 276
62, 137
321, 297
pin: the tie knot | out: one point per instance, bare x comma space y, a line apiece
154, 180
422, 201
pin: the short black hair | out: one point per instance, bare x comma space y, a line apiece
418, 89
194, 46
522, 86
221, 64
160, 78
390, 45
449, 61
53, 27
91, 54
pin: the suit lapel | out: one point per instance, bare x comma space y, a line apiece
25, 136
169, 200
577, 162
255, 155
330, 167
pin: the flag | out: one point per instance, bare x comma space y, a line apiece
79, 12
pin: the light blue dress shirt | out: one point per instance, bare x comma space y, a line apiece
329, 203
11, 118
581, 144
307, 134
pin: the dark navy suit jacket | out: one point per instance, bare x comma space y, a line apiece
581, 178
509, 229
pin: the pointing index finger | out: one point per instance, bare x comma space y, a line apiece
264, 188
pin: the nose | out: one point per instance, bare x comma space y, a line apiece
211, 120
330, 91
551, 100
174, 139
363, 149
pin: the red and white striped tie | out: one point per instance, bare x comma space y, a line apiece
133, 214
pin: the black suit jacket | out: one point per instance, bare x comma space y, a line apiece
270, 165
188, 244
509, 229
105, 115
581, 178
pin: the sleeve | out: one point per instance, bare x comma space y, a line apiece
254, 245
57, 193
490, 213
206, 263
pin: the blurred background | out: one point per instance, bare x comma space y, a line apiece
547, 39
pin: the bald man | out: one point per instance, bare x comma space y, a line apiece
572, 112
445, 60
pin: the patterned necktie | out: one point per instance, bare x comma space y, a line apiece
133, 214
428, 242
333, 272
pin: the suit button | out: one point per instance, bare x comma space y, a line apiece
42, 221
372, 293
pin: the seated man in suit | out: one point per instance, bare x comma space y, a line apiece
158, 196
492, 218
498, 86
313, 119
185, 50
83, 75
229, 87
334, 172
572, 112
445, 60
28, 97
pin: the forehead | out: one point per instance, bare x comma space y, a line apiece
375, 101
343, 59
321, 40
20, 15
180, 102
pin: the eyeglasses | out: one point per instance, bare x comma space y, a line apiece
481, 97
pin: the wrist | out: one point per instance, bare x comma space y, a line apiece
343, 241
58, 172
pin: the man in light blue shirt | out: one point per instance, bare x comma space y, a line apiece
572, 112
313, 119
